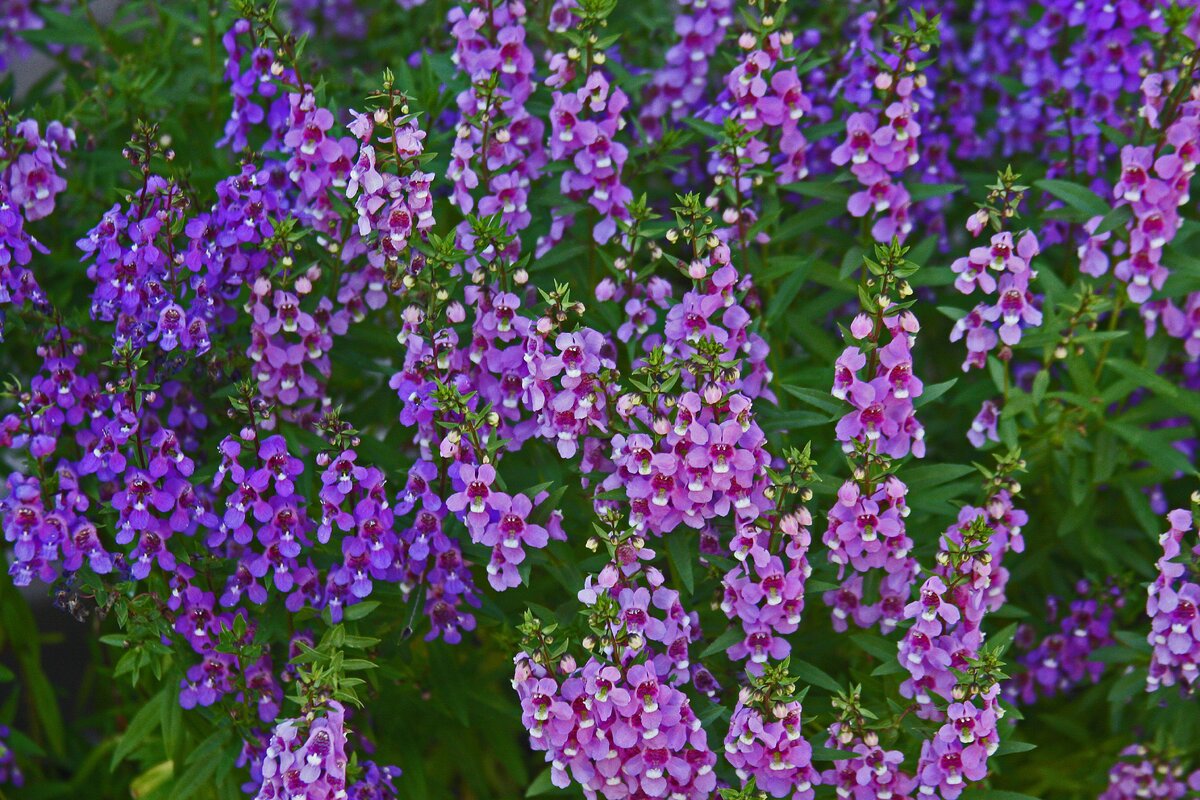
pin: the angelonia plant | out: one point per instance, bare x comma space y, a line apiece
676, 400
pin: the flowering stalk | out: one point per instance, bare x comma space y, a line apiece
1016, 309
586, 116
618, 724
1172, 608
882, 141
498, 144
944, 651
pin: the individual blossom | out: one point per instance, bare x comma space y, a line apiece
374, 783
983, 427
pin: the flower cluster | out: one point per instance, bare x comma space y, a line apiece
1173, 610
1154, 183
394, 206
1140, 774
943, 651
140, 283
617, 733
872, 772
969, 582
882, 141
18, 286
219, 673
679, 85
498, 520
763, 100
288, 344
867, 532
765, 591
765, 742
29, 164
583, 132
1011, 259
1060, 662
10, 773
248, 84
306, 757
880, 386
29, 184
498, 143
619, 726
429, 557
959, 751
178, 459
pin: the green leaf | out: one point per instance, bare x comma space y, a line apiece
926, 476
1188, 401
828, 190
781, 302
172, 723
789, 421
887, 668
1041, 382
925, 191
1114, 219
1157, 446
1114, 654
935, 391
723, 642
680, 554
883, 649
145, 721
707, 129
201, 765
1008, 747
1126, 686
823, 401
814, 676
1076, 196
953, 313
360, 610
46, 703
996, 794
542, 784
1000, 641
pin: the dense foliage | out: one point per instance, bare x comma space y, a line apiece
487, 398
